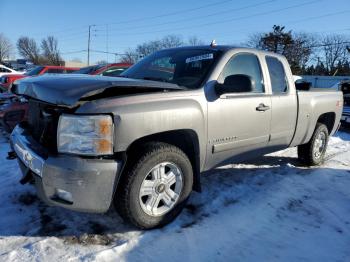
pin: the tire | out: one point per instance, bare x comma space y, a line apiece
308, 153
143, 211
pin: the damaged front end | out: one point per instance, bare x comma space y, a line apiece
73, 182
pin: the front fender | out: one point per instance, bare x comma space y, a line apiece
143, 115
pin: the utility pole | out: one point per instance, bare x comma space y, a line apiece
88, 49
107, 41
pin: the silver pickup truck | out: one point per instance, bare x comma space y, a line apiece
141, 140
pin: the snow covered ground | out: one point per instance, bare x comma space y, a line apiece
270, 209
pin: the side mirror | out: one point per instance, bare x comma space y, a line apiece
235, 84
303, 86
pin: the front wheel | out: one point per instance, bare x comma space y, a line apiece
155, 189
313, 152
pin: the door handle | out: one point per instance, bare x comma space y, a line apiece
262, 107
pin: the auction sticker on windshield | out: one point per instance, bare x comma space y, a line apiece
199, 58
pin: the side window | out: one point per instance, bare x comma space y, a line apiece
113, 71
279, 83
4, 70
244, 64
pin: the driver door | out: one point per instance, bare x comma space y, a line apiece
239, 122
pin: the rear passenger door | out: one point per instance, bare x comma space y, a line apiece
284, 103
239, 122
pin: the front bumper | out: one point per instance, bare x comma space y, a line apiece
88, 183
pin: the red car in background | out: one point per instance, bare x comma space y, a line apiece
114, 69
16, 110
12, 112
6, 81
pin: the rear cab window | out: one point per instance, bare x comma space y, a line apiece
278, 77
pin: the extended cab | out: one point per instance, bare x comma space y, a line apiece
140, 141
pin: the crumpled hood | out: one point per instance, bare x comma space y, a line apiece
67, 90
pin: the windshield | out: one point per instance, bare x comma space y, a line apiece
89, 69
184, 67
35, 71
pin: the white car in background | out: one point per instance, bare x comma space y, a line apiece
4, 70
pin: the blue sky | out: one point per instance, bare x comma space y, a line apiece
133, 22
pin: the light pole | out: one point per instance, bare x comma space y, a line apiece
88, 49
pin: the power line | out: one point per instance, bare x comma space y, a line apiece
332, 44
88, 45
317, 17
168, 14
196, 17
225, 21
117, 53
297, 21
60, 31
73, 52
139, 19
106, 52
79, 36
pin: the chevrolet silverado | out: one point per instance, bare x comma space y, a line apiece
141, 140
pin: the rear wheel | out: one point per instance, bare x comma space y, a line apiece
313, 152
154, 190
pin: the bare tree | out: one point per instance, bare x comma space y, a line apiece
300, 52
5, 47
50, 51
147, 48
150, 47
334, 51
171, 41
129, 56
254, 40
28, 48
194, 41
101, 62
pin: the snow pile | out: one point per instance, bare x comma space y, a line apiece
268, 209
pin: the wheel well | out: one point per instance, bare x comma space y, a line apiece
185, 139
327, 119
